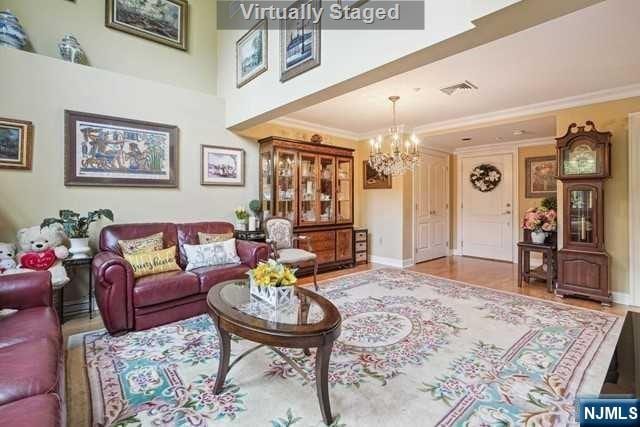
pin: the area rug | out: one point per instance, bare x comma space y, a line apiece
414, 350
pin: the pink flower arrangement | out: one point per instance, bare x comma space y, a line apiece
540, 219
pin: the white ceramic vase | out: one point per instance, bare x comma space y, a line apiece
538, 237
79, 248
274, 296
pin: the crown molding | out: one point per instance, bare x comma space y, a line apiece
532, 109
304, 125
507, 145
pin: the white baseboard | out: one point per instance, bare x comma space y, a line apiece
391, 262
621, 298
456, 252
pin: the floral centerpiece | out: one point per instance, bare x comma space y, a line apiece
540, 221
241, 218
273, 283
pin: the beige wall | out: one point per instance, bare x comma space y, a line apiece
47, 21
39, 89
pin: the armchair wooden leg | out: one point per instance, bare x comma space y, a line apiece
315, 274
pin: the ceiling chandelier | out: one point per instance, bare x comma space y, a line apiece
403, 153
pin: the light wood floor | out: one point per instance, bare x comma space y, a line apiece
491, 274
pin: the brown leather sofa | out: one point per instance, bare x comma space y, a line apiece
134, 304
31, 353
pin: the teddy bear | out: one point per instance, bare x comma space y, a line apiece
7, 257
42, 248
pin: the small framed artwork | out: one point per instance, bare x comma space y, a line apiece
374, 179
115, 152
221, 166
299, 41
251, 54
541, 175
16, 144
161, 21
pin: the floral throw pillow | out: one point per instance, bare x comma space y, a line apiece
143, 244
205, 238
217, 253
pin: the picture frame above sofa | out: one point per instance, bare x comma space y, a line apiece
222, 165
110, 151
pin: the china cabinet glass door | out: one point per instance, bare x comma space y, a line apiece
327, 189
285, 185
344, 175
581, 216
266, 171
308, 189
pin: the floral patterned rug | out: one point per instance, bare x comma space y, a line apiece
415, 350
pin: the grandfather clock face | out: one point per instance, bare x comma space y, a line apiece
580, 159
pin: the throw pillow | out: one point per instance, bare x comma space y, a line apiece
218, 253
205, 238
148, 263
143, 244
6, 312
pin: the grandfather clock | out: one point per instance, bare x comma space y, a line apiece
584, 162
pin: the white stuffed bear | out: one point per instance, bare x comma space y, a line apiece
43, 249
7, 257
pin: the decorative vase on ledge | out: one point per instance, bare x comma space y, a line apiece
538, 237
11, 32
70, 50
79, 248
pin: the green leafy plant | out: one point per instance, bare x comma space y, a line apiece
550, 203
76, 226
255, 207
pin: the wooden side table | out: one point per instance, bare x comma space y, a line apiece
549, 259
70, 265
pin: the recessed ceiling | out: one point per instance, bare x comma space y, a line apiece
591, 50
542, 127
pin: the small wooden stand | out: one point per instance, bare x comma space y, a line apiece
549, 259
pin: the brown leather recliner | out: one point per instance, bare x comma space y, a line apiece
134, 304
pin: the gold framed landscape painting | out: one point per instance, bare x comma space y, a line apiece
161, 21
16, 144
541, 175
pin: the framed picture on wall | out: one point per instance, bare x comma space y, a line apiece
16, 144
374, 179
161, 21
251, 54
299, 41
115, 152
541, 175
221, 166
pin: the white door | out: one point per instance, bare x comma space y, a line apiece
487, 217
431, 195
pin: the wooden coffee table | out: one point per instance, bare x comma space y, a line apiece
234, 312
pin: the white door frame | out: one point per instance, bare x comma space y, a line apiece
634, 208
447, 157
483, 152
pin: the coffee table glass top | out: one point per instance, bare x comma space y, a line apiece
236, 295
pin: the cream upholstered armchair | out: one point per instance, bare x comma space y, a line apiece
280, 238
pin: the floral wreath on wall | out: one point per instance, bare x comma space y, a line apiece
485, 177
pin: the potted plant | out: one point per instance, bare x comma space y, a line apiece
540, 221
241, 218
76, 228
272, 283
254, 221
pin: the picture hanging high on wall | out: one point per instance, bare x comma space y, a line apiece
161, 21
541, 175
16, 144
251, 54
115, 152
299, 42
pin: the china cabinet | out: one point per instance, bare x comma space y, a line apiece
312, 185
584, 162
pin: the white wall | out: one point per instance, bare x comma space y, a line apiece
345, 54
39, 89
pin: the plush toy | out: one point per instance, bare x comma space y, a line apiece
43, 249
7, 257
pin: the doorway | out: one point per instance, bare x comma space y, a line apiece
487, 214
431, 198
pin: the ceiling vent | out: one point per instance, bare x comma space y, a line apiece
464, 86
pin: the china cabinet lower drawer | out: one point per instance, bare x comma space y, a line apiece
361, 257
